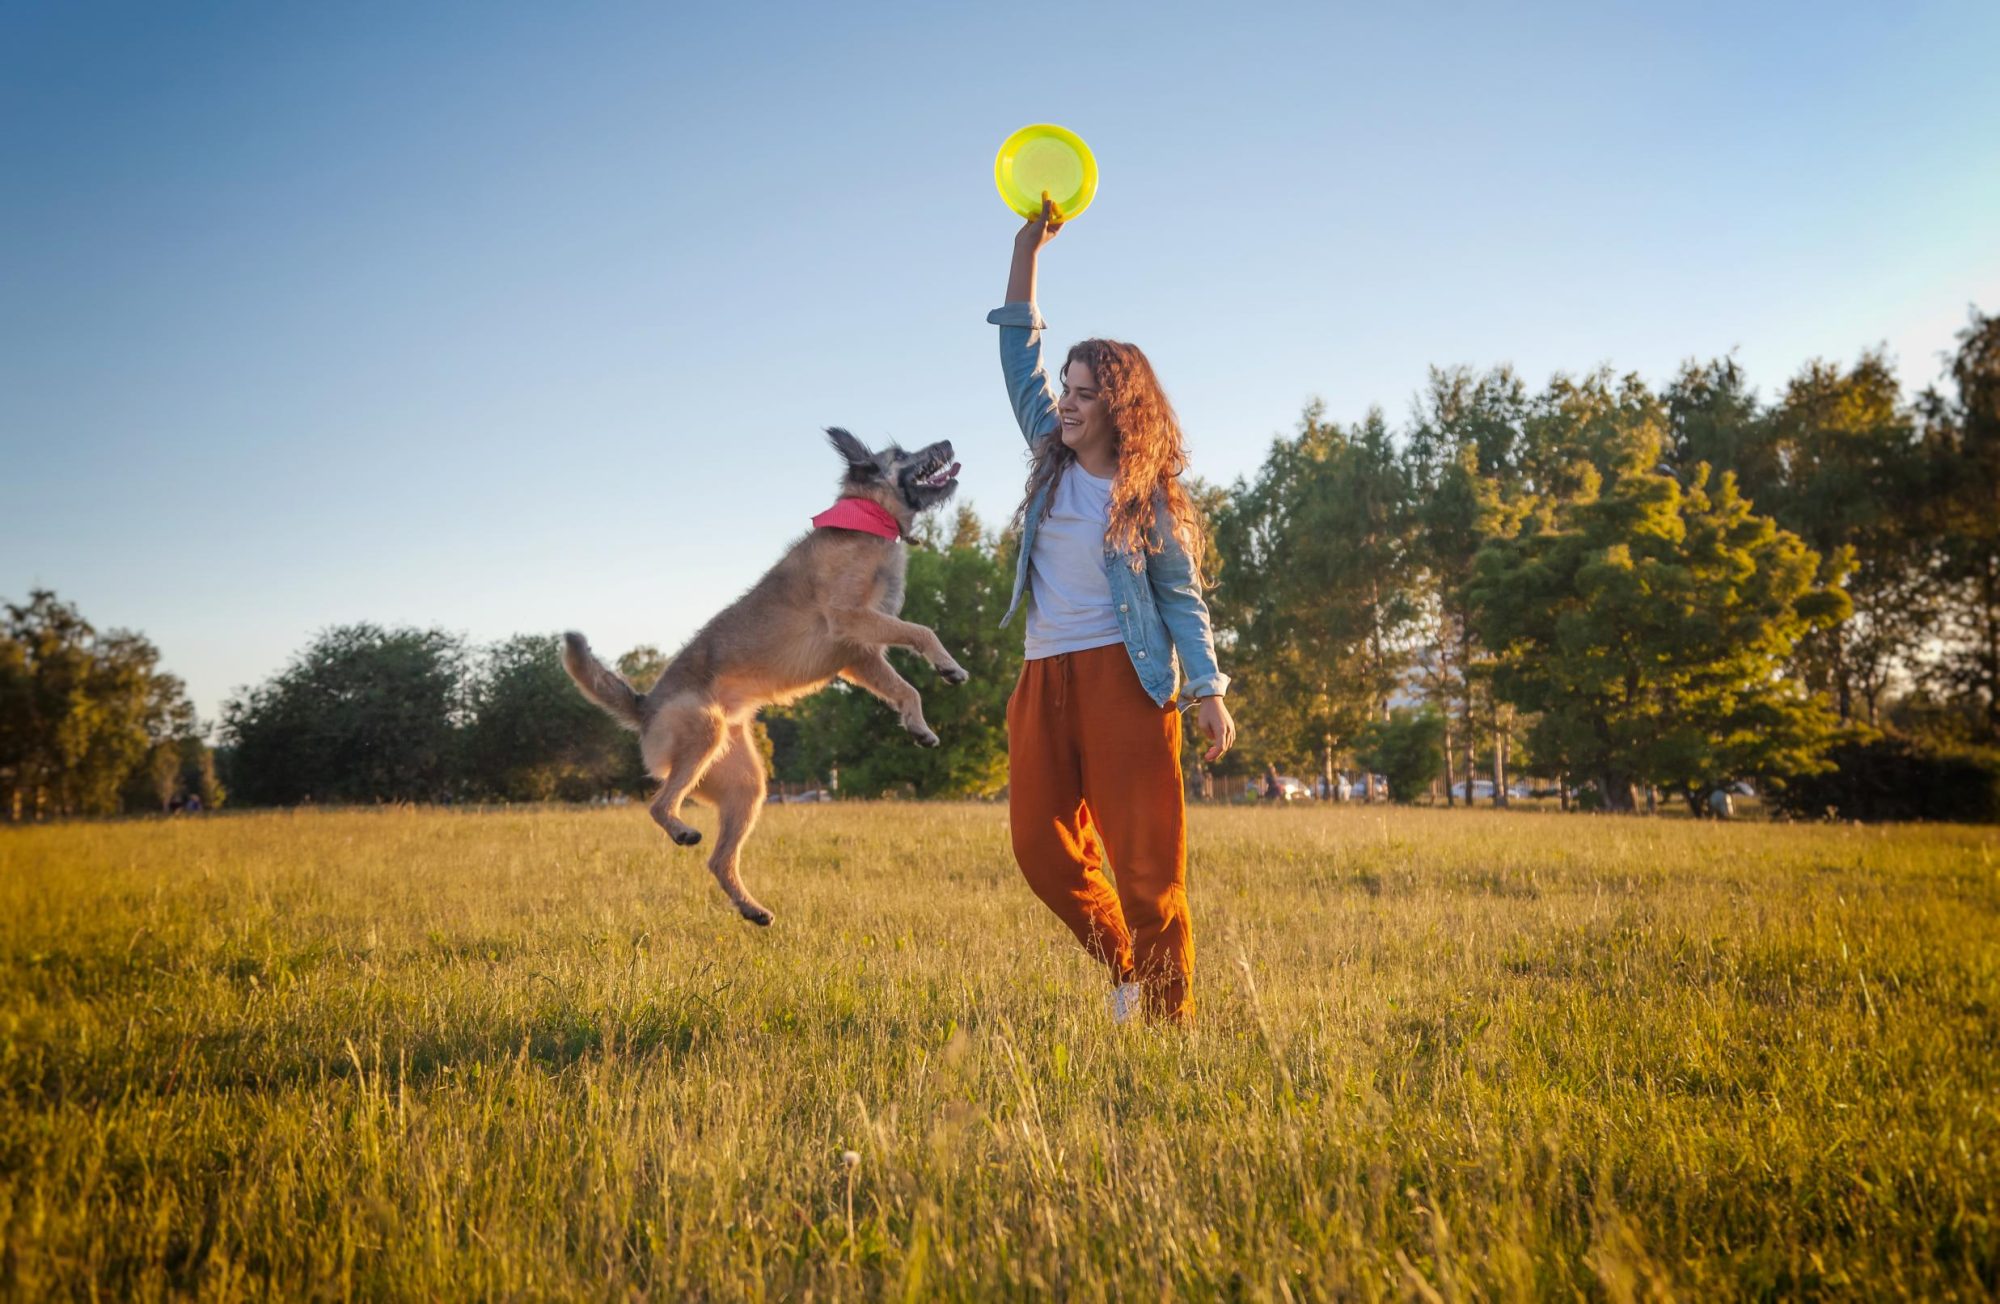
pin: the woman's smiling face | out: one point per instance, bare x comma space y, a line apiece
1086, 417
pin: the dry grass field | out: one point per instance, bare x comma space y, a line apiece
1439, 1055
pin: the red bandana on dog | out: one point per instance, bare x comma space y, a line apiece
861, 514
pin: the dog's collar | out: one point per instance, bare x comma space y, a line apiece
861, 514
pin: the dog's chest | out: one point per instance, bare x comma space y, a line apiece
889, 582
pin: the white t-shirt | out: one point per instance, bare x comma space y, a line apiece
1069, 598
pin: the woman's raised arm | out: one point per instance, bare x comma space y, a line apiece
1028, 242
1028, 388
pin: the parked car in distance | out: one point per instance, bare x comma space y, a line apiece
1354, 787
1482, 789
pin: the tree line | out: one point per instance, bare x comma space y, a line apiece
1615, 590
369, 714
1627, 590
89, 723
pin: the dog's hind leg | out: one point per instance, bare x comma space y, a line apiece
681, 741
735, 785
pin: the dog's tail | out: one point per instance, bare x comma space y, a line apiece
599, 682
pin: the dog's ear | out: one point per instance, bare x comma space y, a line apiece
857, 454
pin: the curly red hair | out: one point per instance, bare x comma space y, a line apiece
1152, 454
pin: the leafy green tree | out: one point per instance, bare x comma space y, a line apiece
1851, 483
958, 585
362, 714
642, 666
156, 783
175, 769
1650, 628
1841, 462
1469, 453
80, 711
198, 776
1498, 462
1407, 748
1315, 603
533, 736
1963, 440
1713, 416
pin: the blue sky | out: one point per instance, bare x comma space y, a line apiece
513, 318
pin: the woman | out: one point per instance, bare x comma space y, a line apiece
1111, 566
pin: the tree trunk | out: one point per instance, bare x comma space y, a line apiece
1991, 616
1448, 802
1562, 789
1620, 792
1499, 767
1465, 672
1368, 779
1843, 687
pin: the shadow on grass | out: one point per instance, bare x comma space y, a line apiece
41, 1066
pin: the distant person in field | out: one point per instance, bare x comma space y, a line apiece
1110, 569
1272, 789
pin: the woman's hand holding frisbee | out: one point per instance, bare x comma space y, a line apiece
1041, 229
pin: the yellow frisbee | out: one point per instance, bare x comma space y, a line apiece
1045, 159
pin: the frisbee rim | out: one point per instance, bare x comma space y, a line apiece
1086, 189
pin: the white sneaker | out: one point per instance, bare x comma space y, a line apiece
1125, 1002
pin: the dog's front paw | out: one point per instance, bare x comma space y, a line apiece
924, 737
954, 674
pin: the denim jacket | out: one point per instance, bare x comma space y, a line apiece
1160, 608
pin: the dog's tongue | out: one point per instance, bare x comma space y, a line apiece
953, 473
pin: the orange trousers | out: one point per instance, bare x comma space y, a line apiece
1094, 774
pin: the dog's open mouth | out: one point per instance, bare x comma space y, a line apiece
936, 475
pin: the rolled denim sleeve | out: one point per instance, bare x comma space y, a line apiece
1185, 614
1028, 387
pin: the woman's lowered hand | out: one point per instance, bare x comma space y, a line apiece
1216, 726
